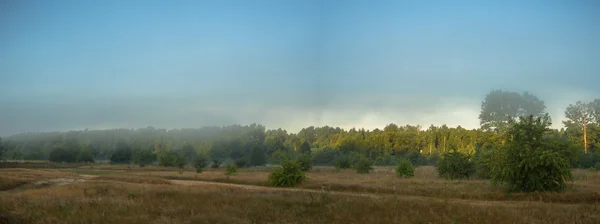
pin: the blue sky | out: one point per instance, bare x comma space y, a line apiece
173, 64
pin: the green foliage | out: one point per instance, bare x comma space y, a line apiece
1, 149
324, 156
405, 169
61, 154
305, 147
487, 162
343, 162
305, 161
363, 166
167, 158
85, 156
216, 163
280, 156
455, 165
122, 153
500, 107
258, 157
242, 162
289, 174
587, 160
200, 162
533, 161
230, 170
416, 158
180, 161
144, 157
597, 166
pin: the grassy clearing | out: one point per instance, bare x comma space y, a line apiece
108, 202
585, 189
14, 177
134, 179
144, 195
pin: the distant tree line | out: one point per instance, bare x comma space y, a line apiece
253, 145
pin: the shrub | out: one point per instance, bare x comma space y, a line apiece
532, 160
343, 162
216, 163
305, 162
288, 175
363, 166
597, 166
455, 165
230, 170
241, 163
200, 162
487, 162
180, 161
405, 169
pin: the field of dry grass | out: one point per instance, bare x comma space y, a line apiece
14, 177
146, 195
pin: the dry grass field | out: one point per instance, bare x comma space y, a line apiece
122, 194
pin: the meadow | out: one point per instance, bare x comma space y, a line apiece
131, 194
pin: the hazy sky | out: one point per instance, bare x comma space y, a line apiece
291, 64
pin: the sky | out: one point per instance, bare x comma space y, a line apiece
77, 64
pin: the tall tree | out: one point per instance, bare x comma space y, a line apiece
579, 116
501, 107
595, 108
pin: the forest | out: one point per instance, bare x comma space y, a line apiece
254, 145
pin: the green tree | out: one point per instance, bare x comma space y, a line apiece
305, 147
533, 160
230, 170
122, 153
455, 165
343, 162
363, 166
61, 154
216, 163
405, 169
85, 156
200, 162
578, 117
258, 157
144, 157
289, 174
305, 161
167, 157
501, 107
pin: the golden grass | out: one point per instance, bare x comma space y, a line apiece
14, 177
585, 189
112, 202
134, 179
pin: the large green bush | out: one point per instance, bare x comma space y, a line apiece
305, 161
405, 169
533, 161
455, 165
487, 162
363, 166
288, 175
